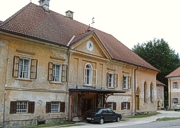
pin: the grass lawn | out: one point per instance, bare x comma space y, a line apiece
168, 118
143, 115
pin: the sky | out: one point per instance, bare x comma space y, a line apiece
130, 21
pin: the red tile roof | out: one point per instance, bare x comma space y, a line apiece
174, 73
33, 22
1, 22
159, 83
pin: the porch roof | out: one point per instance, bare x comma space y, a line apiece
93, 89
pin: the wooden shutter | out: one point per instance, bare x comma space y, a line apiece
128, 105
64, 73
48, 107
94, 77
33, 70
15, 66
50, 71
123, 81
116, 80
129, 82
62, 106
122, 105
107, 79
114, 106
13, 107
31, 106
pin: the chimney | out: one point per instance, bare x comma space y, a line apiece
69, 14
44, 4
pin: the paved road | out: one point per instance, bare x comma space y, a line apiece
147, 122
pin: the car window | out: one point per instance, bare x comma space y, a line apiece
94, 110
109, 111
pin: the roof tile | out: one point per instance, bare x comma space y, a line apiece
174, 73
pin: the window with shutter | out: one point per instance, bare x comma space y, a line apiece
13, 107
48, 107
114, 106
88, 73
50, 71
33, 73
15, 66
122, 105
31, 106
62, 106
64, 73
129, 82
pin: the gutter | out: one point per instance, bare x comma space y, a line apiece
71, 40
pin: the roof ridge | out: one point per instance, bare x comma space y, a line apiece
16, 14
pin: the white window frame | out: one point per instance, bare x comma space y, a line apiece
125, 82
54, 75
175, 85
28, 71
21, 107
90, 74
56, 109
111, 80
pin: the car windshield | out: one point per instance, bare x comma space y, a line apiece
94, 110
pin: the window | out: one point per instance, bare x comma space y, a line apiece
21, 107
125, 105
55, 107
57, 72
24, 68
90, 75
112, 80
145, 94
126, 82
151, 93
175, 85
175, 100
111, 105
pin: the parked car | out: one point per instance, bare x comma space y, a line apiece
101, 115
176, 107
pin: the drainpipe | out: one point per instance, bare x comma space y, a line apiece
135, 90
5, 87
170, 94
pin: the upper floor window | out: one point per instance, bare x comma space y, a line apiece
175, 85
24, 68
90, 75
55, 107
21, 107
112, 80
57, 72
126, 82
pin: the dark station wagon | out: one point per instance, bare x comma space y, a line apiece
101, 115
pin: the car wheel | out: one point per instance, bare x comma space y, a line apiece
101, 121
175, 110
88, 121
118, 119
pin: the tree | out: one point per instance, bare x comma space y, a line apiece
158, 53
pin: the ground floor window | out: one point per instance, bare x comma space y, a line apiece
52, 107
175, 100
111, 105
21, 107
125, 105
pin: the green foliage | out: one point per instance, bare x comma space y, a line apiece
158, 53
168, 118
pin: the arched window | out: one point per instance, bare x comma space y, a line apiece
151, 93
145, 94
88, 74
